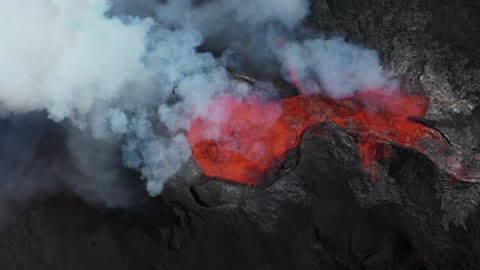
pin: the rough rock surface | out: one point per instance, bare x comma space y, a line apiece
320, 211
432, 46
323, 213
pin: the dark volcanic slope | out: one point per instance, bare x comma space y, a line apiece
308, 219
323, 213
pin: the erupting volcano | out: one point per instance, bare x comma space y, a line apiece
254, 135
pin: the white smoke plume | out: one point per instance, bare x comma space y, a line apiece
250, 29
130, 75
65, 55
334, 67
109, 75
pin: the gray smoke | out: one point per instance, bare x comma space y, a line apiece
335, 67
130, 77
36, 161
249, 31
23, 174
213, 17
240, 30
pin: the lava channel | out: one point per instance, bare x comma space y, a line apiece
252, 136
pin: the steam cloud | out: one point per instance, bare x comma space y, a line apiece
335, 67
129, 75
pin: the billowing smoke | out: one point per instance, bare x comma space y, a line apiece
243, 31
124, 78
110, 75
334, 67
65, 55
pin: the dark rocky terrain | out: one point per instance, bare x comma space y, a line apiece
320, 211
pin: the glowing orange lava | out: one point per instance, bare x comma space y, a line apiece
243, 139
254, 135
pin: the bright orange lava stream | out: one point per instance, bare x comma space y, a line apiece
254, 136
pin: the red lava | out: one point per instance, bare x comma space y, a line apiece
253, 136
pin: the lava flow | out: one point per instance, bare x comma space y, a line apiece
254, 135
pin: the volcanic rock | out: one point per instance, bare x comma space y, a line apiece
323, 214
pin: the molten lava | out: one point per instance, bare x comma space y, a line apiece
254, 135
248, 137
